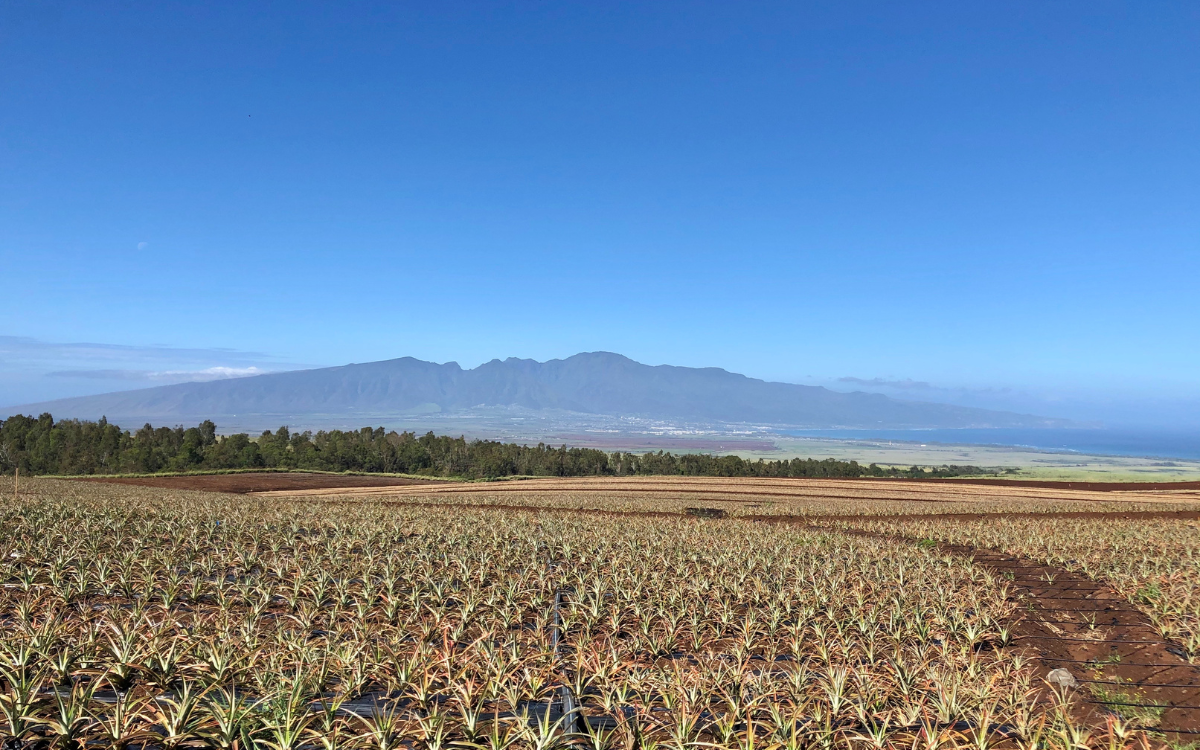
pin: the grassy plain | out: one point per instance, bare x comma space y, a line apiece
1028, 463
587, 613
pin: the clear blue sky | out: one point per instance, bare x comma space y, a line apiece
977, 196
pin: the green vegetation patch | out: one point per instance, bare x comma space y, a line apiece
74, 447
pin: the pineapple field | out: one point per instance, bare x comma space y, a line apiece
614, 614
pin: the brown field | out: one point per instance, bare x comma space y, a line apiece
609, 614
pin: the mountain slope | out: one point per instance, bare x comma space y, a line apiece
592, 383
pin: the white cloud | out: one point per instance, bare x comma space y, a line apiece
884, 383
212, 373
162, 376
32, 370
26, 351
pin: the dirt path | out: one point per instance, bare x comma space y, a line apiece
1108, 645
1069, 621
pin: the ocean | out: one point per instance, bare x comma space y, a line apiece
1182, 444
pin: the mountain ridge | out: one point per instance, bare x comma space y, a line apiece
599, 383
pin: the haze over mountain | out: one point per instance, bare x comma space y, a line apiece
598, 383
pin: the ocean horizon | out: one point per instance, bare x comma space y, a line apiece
1142, 443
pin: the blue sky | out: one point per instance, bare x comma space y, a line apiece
999, 201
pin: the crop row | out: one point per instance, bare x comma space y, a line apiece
1155, 563
144, 619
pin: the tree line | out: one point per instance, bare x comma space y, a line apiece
72, 447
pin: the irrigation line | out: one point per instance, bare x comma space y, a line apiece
1058, 578
1039, 579
1080, 599
571, 711
1099, 664
1156, 730
1180, 686
1097, 625
1140, 705
1105, 609
1079, 585
1088, 640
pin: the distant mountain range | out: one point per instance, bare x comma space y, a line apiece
598, 383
